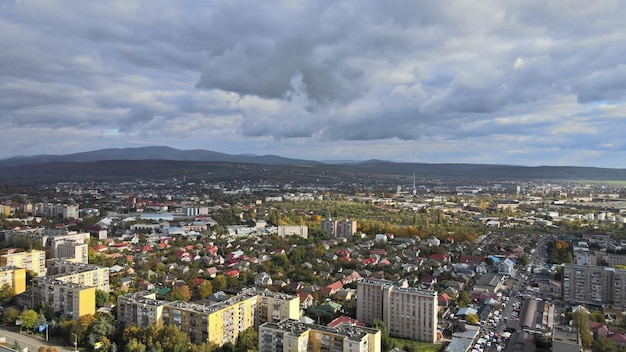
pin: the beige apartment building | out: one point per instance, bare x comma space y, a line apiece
339, 228
409, 313
290, 335
34, 261
219, 323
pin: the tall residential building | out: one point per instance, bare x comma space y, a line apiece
64, 239
65, 211
297, 230
596, 285
79, 273
71, 299
140, 308
339, 228
73, 251
293, 336
69, 288
15, 277
34, 261
219, 323
408, 312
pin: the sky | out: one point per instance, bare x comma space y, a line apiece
491, 82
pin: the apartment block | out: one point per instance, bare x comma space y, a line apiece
15, 277
290, 335
65, 240
141, 308
73, 251
583, 284
615, 259
71, 299
79, 273
293, 230
339, 228
219, 323
64, 211
69, 288
34, 261
409, 313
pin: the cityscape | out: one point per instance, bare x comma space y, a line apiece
312, 176
414, 263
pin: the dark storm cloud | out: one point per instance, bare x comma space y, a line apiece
329, 72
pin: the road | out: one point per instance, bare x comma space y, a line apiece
33, 343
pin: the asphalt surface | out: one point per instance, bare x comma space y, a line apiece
33, 342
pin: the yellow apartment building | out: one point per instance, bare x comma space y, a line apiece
15, 277
34, 260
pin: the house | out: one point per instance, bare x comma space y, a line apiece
444, 300
263, 279
506, 267
332, 288
306, 300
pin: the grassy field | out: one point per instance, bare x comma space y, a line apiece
416, 345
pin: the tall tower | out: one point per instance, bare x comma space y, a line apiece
414, 187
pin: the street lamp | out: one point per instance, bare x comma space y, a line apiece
75, 342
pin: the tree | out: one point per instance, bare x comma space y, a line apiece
219, 283
604, 344
135, 345
386, 343
463, 299
205, 289
471, 319
247, 340
47, 349
10, 315
581, 320
179, 293
7, 293
28, 319
102, 298
173, 340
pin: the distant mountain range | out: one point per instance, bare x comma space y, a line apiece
154, 153
168, 162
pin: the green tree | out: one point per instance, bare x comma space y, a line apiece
205, 289
179, 293
219, 283
604, 344
102, 327
135, 345
463, 299
386, 343
9, 315
173, 340
247, 340
581, 320
472, 319
7, 293
28, 319
102, 298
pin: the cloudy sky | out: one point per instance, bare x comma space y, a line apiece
507, 82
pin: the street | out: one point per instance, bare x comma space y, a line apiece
32, 342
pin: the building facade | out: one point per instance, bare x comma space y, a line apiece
34, 260
219, 323
293, 230
14, 277
409, 313
583, 284
291, 335
339, 228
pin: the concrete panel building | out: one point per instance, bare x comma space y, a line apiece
409, 313
291, 335
15, 277
34, 260
583, 284
339, 228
